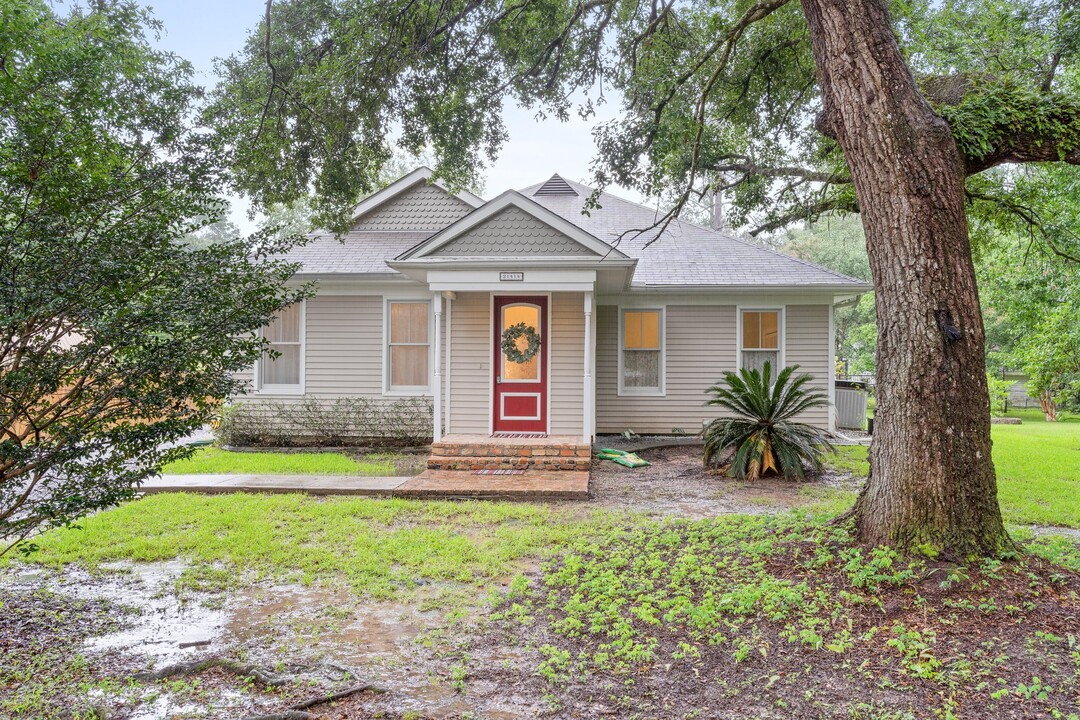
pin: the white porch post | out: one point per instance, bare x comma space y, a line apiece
589, 404
436, 383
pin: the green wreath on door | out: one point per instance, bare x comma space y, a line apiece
510, 345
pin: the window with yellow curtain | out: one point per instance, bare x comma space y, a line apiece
761, 339
642, 351
410, 347
279, 368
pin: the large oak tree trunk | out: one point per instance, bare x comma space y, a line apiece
932, 481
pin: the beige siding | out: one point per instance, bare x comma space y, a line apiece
421, 207
567, 363
806, 340
510, 233
344, 345
700, 346
470, 372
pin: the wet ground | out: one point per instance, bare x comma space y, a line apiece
676, 484
90, 633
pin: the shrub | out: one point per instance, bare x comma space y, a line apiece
762, 436
316, 422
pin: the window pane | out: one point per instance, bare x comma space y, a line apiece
650, 330
751, 330
641, 368
770, 330
285, 370
756, 359
418, 327
286, 326
409, 366
408, 322
632, 330
530, 315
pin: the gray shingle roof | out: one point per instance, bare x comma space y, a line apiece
355, 252
685, 254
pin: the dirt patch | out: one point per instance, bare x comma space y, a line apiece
799, 630
678, 484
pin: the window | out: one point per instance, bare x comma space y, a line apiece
760, 340
642, 361
285, 333
410, 348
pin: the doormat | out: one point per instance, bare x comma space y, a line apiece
521, 436
498, 472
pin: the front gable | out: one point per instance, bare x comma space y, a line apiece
512, 232
420, 207
512, 226
414, 203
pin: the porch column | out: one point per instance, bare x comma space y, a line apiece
436, 382
590, 402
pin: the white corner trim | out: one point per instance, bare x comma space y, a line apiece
832, 368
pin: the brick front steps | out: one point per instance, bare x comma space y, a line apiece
477, 452
555, 467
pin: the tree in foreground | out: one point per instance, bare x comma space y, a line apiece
789, 109
118, 333
762, 434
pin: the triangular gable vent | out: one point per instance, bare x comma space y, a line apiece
555, 186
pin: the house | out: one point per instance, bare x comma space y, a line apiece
605, 331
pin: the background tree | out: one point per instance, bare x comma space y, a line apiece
789, 109
838, 243
118, 332
1034, 302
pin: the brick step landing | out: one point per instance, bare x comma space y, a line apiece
505, 462
530, 485
478, 452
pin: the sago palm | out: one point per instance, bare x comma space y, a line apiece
763, 434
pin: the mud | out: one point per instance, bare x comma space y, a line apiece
677, 484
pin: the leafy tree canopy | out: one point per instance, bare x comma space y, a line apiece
716, 96
119, 328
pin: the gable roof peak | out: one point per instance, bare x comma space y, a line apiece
555, 186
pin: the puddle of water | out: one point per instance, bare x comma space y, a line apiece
326, 636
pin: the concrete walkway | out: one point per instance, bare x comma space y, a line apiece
311, 484
524, 486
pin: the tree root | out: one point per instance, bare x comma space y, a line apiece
298, 711
263, 675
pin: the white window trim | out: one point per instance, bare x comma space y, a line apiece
299, 388
781, 330
638, 391
409, 390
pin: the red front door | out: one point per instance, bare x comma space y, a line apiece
520, 400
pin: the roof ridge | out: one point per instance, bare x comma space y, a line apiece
681, 221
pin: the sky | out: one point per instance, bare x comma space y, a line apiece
200, 30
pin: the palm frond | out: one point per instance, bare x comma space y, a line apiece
762, 435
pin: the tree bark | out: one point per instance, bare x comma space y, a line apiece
932, 485
1048, 406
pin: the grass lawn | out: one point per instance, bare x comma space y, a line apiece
749, 616
214, 461
374, 547
1038, 469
